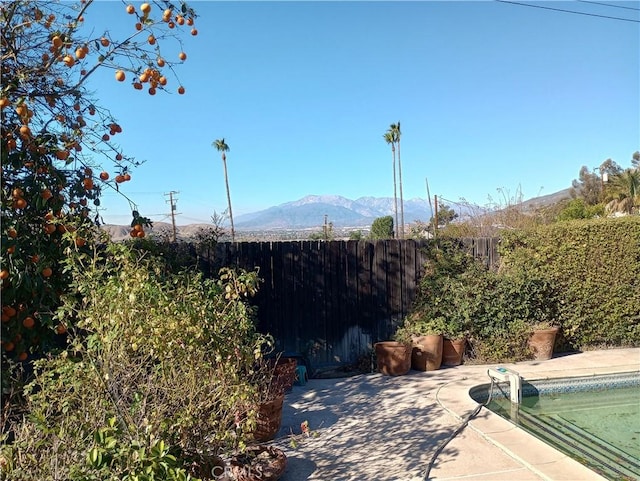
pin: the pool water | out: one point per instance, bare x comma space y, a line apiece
596, 423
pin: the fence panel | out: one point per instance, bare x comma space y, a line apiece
330, 301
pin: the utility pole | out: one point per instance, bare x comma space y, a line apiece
435, 219
172, 202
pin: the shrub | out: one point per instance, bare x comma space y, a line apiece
156, 375
594, 266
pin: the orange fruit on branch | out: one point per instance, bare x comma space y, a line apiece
29, 322
47, 272
120, 76
104, 175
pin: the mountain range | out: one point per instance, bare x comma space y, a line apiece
313, 211
310, 211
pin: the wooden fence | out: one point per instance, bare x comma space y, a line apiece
330, 301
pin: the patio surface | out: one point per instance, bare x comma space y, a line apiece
377, 428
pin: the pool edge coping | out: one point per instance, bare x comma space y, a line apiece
538, 457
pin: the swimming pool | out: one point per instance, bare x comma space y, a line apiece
593, 419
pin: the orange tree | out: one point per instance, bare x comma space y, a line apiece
54, 138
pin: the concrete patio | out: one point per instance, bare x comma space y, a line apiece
374, 427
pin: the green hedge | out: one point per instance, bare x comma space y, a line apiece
595, 267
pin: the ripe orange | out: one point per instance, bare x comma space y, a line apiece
138, 26
20, 203
62, 154
11, 232
56, 42
9, 311
190, 21
140, 234
9, 346
118, 156
29, 322
151, 40
137, 227
182, 56
25, 132
50, 228
119, 178
22, 356
152, 91
87, 183
104, 175
17, 193
160, 62
181, 90
137, 85
46, 194
4, 102
120, 76
179, 19
145, 8
47, 272
69, 61
80, 241
194, 32
104, 42
106, 137
4, 274
131, 9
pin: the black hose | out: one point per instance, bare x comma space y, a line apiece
457, 431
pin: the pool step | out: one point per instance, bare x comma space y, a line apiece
604, 458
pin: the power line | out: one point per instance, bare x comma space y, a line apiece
569, 11
609, 5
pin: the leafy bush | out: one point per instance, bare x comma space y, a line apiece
156, 378
594, 266
460, 297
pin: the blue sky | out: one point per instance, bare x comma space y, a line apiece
493, 99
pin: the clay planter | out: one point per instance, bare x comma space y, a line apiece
541, 343
269, 419
284, 373
452, 351
426, 354
393, 358
258, 463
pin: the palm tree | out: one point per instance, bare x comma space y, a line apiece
625, 190
221, 146
390, 138
395, 128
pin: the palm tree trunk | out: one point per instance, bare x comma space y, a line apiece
395, 194
401, 196
226, 181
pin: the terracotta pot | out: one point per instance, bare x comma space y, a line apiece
269, 419
541, 343
453, 351
258, 463
426, 354
393, 358
284, 373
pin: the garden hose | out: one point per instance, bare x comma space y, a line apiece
457, 431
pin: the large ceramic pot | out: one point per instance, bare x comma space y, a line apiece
269, 419
453, 351
541, 343
258, 463
393, 358
426, 354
